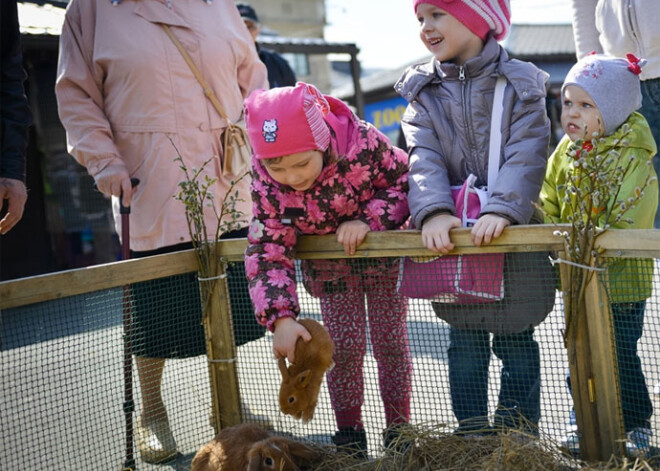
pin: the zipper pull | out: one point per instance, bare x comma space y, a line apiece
461, 73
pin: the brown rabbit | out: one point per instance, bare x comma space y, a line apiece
251, 448
301, 381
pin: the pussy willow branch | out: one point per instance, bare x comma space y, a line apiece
596, 184
197, 195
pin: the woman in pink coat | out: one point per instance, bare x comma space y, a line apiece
130, 105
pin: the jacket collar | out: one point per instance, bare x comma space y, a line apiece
414, 79
342, 123
418, 76
481, 65
154, 11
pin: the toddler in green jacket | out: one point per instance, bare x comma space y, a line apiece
599, 97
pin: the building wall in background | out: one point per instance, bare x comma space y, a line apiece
298, 19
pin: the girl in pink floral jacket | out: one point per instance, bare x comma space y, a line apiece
318, 169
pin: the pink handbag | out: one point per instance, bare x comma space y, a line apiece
462, 279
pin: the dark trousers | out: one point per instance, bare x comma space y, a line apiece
651, 111
469, 358
635, 401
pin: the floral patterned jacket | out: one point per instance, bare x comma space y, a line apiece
367, 181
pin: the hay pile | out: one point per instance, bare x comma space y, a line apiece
432, 448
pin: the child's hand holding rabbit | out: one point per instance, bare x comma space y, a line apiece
286, 335
301, 380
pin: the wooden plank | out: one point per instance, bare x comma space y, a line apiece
89, 279
605, 372
221, 354
631, 240
398, 243
14, 293
579, 363
586, 414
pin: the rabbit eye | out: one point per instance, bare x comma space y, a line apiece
292, 399
269, 461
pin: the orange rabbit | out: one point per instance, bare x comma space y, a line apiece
249, 447
301, 381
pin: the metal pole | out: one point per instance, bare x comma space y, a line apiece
129, 403
355, 72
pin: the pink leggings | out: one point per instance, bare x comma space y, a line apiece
345, 318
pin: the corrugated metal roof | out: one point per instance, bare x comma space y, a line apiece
532, 42
540, 40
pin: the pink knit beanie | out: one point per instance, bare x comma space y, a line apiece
479, 16
287, 120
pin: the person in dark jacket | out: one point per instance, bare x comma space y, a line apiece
15, 118
280, 73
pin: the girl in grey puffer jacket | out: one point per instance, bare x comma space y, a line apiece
447, 129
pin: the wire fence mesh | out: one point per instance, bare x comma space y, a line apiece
64, 390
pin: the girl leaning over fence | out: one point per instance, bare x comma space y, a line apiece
600, 124
318, 169
447, 129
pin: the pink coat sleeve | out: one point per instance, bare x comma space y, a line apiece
79, 95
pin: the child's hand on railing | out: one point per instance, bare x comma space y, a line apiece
488, 227
435, 232
351, 234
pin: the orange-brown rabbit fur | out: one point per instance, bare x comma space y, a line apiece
248, 447
301, 381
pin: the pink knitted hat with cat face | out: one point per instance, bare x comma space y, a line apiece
479, 16
286, 120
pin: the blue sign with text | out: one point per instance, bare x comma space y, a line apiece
386, 115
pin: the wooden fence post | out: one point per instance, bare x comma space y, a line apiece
594, 374
579, 363
605, 370
221, 353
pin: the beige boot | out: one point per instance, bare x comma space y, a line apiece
155, 441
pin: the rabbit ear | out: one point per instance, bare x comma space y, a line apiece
280, 447
281, 364
255, 462
270, 453
302, 379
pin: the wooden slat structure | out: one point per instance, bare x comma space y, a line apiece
615, 243
377, 244
592, 355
